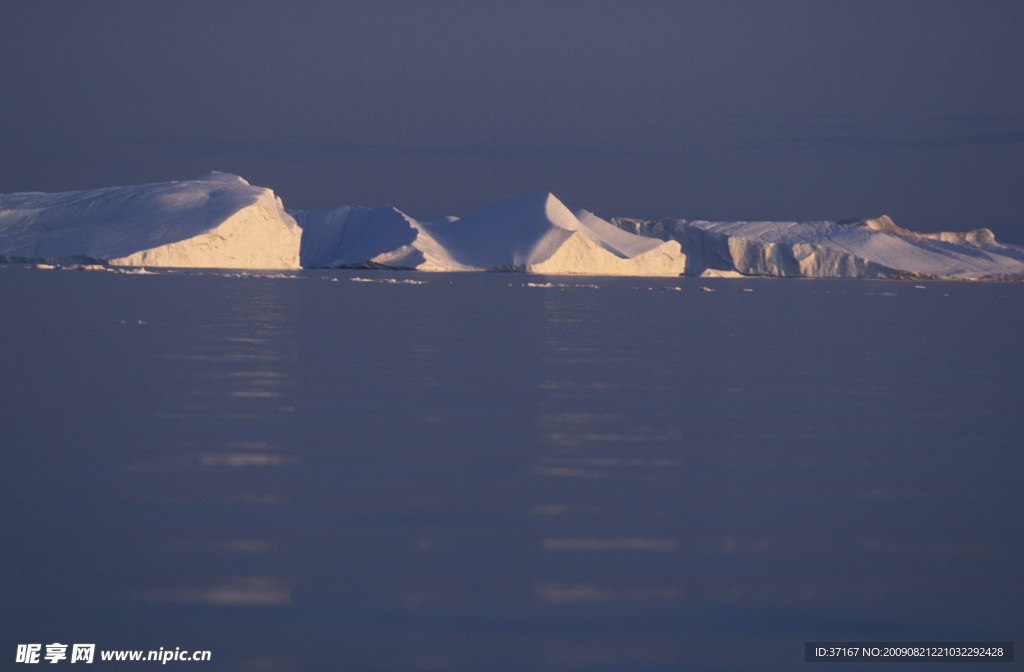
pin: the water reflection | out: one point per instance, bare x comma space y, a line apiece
633, 531
223, 546
604, 467
237, 591
562, 509
589, 594
190, 461
710, 481
238, 358
609, 544
609, 550
546, 491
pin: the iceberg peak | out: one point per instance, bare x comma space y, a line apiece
540, 209
224, 178
884, 224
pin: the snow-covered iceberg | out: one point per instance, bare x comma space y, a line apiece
868, 248
529, 234
215, 221
221, 221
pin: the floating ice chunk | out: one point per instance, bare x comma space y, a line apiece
717, 273
389, 281
560, 285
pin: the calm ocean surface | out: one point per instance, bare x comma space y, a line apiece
313, 473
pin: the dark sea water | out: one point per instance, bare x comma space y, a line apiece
312, 473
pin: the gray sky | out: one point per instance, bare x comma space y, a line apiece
781, 109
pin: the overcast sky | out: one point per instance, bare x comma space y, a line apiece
773, 109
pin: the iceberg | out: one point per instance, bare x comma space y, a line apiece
215, 221
529, 234
221, 221
865, 248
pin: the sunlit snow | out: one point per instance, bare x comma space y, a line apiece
215, 221
221, 221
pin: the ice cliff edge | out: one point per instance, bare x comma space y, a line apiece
214, 221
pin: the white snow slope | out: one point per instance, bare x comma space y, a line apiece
215, 221
529, 234
871, 248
